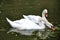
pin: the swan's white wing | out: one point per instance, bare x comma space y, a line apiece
28, 24
33, 18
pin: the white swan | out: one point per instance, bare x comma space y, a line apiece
25, 26
37, 19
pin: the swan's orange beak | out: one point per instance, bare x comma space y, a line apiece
52, 28
46, 14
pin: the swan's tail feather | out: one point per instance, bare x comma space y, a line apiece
8, 20
13, 24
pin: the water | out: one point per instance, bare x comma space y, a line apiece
14, 9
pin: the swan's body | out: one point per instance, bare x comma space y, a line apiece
25, 26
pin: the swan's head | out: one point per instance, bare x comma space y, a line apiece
51, 26
45, 13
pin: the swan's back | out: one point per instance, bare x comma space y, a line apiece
33, 18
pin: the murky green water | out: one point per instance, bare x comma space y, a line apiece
14, 9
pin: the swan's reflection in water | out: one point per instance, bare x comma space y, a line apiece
42, 34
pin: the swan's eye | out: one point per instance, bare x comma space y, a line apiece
46, 15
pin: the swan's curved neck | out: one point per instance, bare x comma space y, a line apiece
43, 14
46, 21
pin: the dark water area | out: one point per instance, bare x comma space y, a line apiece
14, 9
